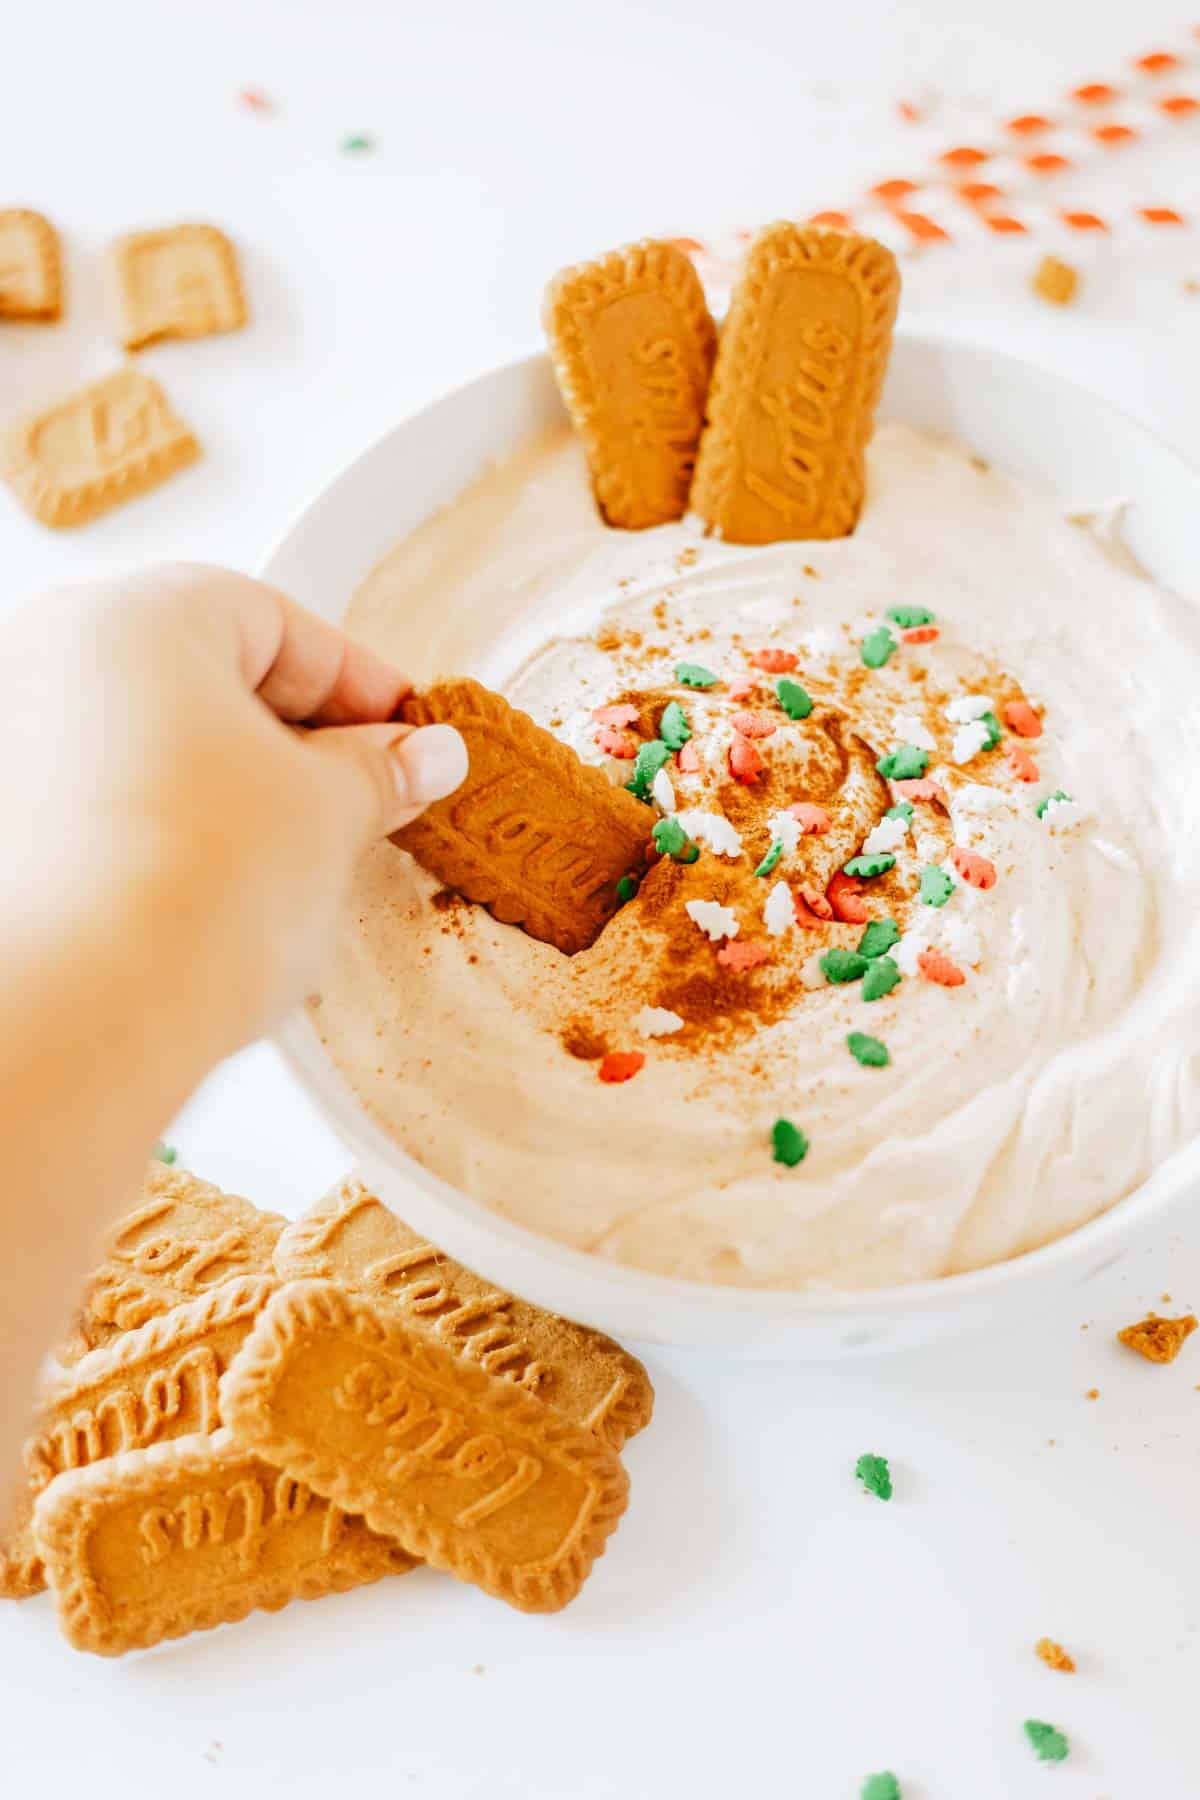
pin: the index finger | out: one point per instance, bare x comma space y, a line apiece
302, 667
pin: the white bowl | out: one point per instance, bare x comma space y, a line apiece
1022, 418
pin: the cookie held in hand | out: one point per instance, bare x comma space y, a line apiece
533, 834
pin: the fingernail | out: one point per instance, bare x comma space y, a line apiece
430, 763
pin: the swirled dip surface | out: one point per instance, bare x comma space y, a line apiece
1019, 1102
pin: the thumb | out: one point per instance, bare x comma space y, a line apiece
382, 776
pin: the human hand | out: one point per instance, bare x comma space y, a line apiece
149, 770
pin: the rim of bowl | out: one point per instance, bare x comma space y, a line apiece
363, 1137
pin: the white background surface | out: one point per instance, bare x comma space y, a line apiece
758, 1624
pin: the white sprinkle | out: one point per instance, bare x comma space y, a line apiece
779, 913
1061, 815
905, 953
968, 707
663, 792
969, 740
811, 973
974, 798
961, 938
784, 830
656, 1021
1114, 853
823, 641
715, 920
910, 730
888, 835
711, 829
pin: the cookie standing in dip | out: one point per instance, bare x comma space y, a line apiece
1017, 1101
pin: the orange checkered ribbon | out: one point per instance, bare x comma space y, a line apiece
1013, 180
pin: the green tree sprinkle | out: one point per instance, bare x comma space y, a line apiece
876, 647
695, 675
789, 1145
881, 1787
1047, 1742
881, 977
908, 618
875, 1475
905, 764
879, 936
673, 727
840, 966
793, 699
651, 757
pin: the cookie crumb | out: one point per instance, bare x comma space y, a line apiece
1092, 1394
1055, 281
1054, 1656
1158, 1340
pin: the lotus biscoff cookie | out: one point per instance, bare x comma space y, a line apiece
632, 344
533, 834
98, 447
157, 1383
351, 1238
802, 359
156, 1543
180, 282
183, 1238
30, 266
465, 1470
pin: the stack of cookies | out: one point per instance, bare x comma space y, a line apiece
251, 1412
761, 433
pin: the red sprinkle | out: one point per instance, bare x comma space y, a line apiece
754, 725
836, 221
255, 99
621, 1065
965, 156
1179, 106
1005, 226
614, 715
1020, 717
1094, 93
936, 966
896, 189
775, 662
811, 819
1084, 221
978, 193
1028, 124
742, 686
688, 760
1113, 134
734, 954
921, 227
920, 634
1020, 761
842, 895
924, 789
745, 764
1162, 215
975, 870
810, 903
912, 114
615, 743
1047, 162
1156, 62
